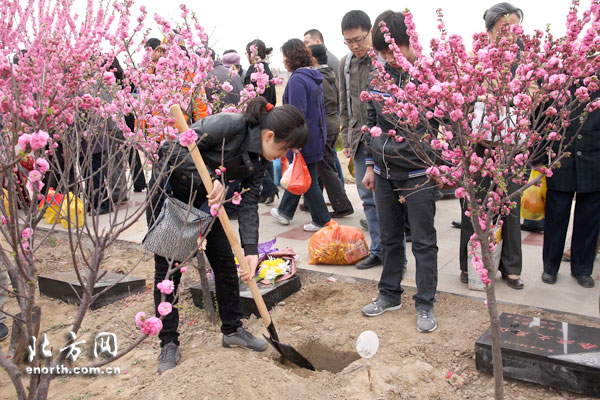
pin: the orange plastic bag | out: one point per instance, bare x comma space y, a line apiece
299, 178
337, 245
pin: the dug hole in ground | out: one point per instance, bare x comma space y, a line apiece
322, 321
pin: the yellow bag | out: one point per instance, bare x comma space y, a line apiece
54, 199
533, 200
75, 211
6, 205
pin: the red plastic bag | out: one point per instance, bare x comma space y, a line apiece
300, 180
337, 245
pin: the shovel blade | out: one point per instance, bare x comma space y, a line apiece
287, 351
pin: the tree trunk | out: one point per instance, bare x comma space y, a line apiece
496, 347
204, 284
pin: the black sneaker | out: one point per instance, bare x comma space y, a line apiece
3, 331
243, 338
169, 357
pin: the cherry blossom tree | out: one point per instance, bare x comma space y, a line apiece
489, 113
63, 99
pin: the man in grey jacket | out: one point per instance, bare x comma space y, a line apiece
354, 72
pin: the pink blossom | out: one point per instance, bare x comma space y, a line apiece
236, 199
188, 138
109, 78
35, 175
183, 269
24, 141
151, 326
3, 219
218, 171
227, 87
39, 140
166, 286
27, 233
460, 192
375, 131
215, 210
42, 165
164, 308
139, 318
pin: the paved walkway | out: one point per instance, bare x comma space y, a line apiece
566, 295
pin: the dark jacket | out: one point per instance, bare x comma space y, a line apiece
359, 79
580, 172
270, 93
331, 97
222, 74
305, 92
241, 158
392, 159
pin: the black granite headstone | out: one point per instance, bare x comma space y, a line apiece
551, 353
271, 294
65, 286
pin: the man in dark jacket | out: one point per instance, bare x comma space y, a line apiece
395, 171
315, 37
328, 173
578, 174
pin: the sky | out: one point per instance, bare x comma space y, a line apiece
233, 23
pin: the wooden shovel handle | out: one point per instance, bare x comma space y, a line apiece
231, 236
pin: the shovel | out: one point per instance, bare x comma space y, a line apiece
285, 350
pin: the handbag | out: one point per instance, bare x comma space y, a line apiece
176, 231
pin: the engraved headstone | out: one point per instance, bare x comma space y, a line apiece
66, 287
272, 294
551, 353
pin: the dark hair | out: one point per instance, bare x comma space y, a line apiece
18, 56
229, 51
356, 19
497, 11
319, 52
286, 121
316, 34
297, 54
263, 51
117, 70
153, 43
394, 21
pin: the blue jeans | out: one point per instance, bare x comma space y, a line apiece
313, 198
368, 201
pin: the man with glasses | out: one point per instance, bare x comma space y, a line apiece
354, 77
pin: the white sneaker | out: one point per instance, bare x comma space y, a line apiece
282, 220
312, 227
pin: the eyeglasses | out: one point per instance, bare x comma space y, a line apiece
350, 42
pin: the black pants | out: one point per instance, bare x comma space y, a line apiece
268, 183
511, 259
586, 225
329, 178
420, 207
137, 170
220, 257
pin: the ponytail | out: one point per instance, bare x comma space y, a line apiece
286, 121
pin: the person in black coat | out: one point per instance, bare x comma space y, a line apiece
251, 141
578, 174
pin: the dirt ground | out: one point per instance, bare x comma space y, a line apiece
322, 321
